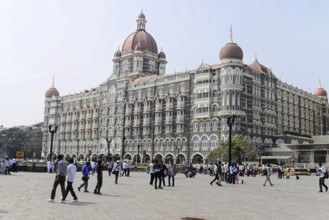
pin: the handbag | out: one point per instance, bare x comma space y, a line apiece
326, 175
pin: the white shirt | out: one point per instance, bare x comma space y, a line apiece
322, 170
151, 168
116, 167
71, 171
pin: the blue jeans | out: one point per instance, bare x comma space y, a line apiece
173, 180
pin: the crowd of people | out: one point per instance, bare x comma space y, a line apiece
158, 171
67, 172
8, 165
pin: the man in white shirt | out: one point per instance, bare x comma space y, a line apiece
124, 168
71, 171
151, 172
93, 167
7, 167
322, 171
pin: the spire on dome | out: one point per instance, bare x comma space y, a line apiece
53, 84
231, 34
320, 83
141, 21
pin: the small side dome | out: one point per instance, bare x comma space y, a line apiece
320, 92
162, 55
52, 92
117, 53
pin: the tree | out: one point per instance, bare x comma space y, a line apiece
242, 148
14, 139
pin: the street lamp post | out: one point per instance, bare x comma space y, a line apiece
137, 154
108, 140
52, 129
230, 122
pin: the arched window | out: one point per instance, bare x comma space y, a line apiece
196, 141
213, 141
204, 141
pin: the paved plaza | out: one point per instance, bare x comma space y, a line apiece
24, 196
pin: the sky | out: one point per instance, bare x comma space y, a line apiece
75, 40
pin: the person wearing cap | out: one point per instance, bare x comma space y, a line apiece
60, 178
116, 170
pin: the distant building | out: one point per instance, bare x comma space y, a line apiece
140, 109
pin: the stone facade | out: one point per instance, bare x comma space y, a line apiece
141, 110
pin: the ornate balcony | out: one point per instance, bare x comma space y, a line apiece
180, 120
180, 106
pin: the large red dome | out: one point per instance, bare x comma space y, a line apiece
146, 41
320, 92
140, 38
51, 92
231, 51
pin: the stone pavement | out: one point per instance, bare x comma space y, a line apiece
24, 196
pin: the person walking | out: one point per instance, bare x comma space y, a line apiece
128, 167
216, 173
157, 174
163, 172
172, 170
71, 172
116, 170
187, 169
267, 174
322, 171
85, 177
93, 167
99, 171
110, 167
60, 178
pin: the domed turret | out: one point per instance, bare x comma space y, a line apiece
52, 91
141, 15
117, 54
140, 36
231, 50
162, 55
320, 92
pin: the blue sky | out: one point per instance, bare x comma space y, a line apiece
75, 41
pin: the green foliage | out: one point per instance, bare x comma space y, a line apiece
241, 148
14, 139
